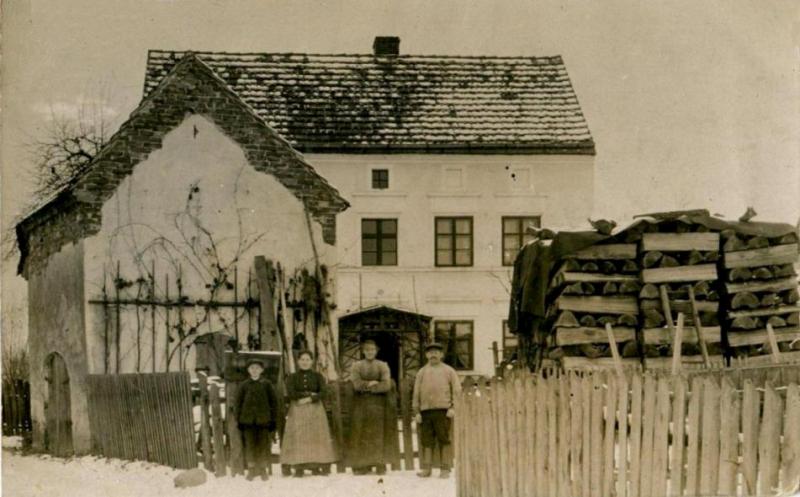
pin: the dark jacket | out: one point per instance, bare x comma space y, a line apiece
529, 286
256, 404
305, 384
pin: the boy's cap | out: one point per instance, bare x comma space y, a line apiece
255, 360
434, 345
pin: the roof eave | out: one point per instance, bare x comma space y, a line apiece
582, 148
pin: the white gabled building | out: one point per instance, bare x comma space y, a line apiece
444, 160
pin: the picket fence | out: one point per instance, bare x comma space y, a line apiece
633, 435
145, 417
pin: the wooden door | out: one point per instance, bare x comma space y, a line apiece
58, 418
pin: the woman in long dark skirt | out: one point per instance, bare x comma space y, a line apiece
307, 441
373, 415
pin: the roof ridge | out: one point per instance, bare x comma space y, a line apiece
200, 53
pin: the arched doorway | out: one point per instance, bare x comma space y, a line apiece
57, 413
400, 335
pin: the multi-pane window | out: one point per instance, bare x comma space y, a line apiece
453, 241
457, 339
514, 236
510, 342
379, 242
380, 179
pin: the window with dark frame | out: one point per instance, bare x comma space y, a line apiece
510, 342
380, 179
379, 242
457, 338
454, 241
514, 236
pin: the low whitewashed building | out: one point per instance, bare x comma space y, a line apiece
150, 251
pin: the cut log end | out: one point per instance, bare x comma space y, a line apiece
733, 244
744, 323
649, 291
694, 258
745, 300
651, 259
762, 273
630, 267
776, 322
610, 288
757, 242
628, 320
588, 321
740, 274
668, 261
567, 320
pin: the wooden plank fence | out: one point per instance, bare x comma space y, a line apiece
636, 435
145, 417
16, 408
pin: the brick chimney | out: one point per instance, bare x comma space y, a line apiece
386, 46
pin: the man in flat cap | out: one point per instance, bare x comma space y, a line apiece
435, 390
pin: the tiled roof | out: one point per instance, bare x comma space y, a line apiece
404, 103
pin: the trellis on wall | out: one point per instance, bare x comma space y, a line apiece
149, 324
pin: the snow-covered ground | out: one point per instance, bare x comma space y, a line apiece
44, 476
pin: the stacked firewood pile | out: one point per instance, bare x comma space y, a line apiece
593, 288
679, 264
760, 292
728, 292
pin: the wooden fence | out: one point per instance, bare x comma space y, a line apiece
16, 408
145, 417
643, 435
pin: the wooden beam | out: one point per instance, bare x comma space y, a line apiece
759, 337
614, 251
699, 272
679, 242
571, 277
612, 344
684, 306
786, 357
676, 345
698, 327
773, 345
266, 300
600, 305
779, 254
772, 311
662, 336
763, 286
583, 335
597, 363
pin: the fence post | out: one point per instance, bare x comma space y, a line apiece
769, 441
220, 466
235, 458
405, 411
205, 428
790, 457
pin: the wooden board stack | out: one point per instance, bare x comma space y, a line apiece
679, 273
760, 290
597, 286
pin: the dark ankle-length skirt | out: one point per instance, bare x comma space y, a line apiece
373, 430
307, 436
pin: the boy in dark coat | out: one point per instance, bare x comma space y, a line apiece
256, 414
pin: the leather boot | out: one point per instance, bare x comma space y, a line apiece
425, 463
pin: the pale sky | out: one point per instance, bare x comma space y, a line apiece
691, 103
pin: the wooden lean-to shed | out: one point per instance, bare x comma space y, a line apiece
157, 243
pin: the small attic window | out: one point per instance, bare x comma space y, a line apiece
380, 179
508, 95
